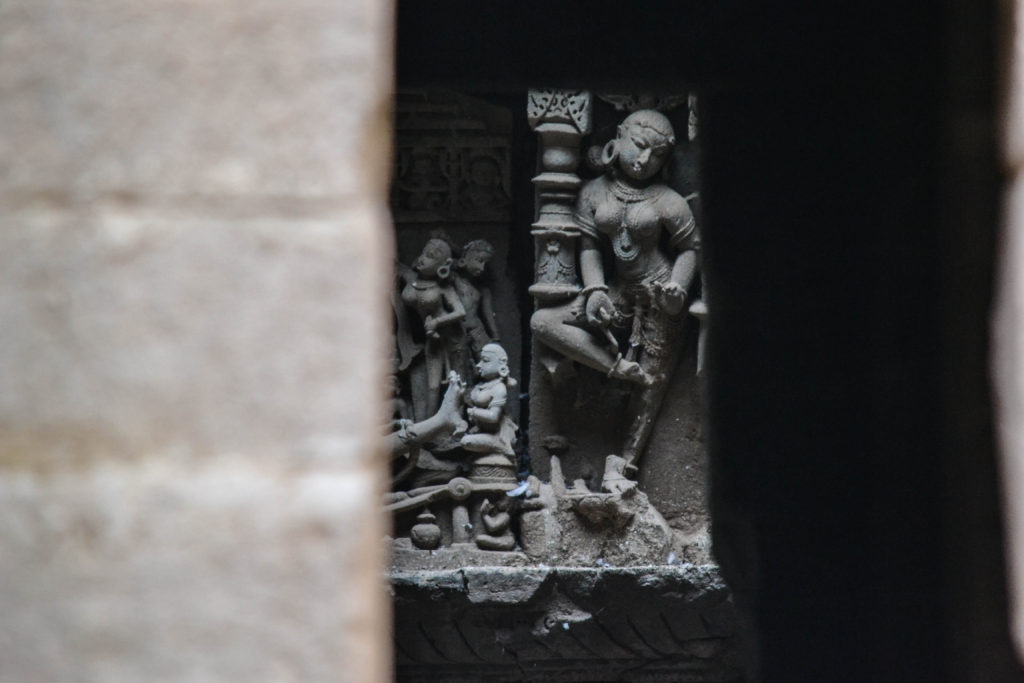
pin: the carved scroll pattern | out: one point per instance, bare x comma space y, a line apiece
559, 105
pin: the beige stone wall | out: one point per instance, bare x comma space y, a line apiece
192, 279
1008, 324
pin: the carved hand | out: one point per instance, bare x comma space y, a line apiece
600, 309
669, 297
430, 326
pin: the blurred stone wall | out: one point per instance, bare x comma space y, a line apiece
193, 265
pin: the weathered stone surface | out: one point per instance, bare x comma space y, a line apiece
193, 277
578, 527
169, 97
406, 557
183, 571
142, 328
636, 624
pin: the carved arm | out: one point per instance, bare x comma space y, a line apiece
599, 307
591, 266
456, 311
684, 269
487, 309
491, 415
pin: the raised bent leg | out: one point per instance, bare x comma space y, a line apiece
549, 326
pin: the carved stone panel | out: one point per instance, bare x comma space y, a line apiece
605, 472
615, 361
615, 467
452, 162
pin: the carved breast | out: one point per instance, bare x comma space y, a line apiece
424, 297
640, 219
481, 395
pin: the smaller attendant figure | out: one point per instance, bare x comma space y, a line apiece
492, 430
429, 292
480, 323
497, 533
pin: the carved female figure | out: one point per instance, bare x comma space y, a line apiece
428, 291
480, 323
492, 430
628, 323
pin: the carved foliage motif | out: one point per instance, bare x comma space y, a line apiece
568, 106
555, 264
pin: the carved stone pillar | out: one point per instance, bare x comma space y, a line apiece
560, 118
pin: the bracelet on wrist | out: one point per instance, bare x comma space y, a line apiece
587, 291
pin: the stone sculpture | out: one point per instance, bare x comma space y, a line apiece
407, 438
615, 279
429, 291
491, 521
627, 323
479, 510
493, 431
480, 324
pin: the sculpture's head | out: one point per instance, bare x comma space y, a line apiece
475, 257
493, 362
642, 146
435, 260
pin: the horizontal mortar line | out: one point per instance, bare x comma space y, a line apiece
227, 205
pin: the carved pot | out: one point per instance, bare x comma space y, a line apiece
425, 534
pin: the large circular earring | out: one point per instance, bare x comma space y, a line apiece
444, 271
609, 154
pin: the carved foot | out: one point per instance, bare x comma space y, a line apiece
615, 480
487, 542
451, 406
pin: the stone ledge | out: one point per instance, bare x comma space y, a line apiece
652, 623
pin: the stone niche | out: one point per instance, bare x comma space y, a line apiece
549, 475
